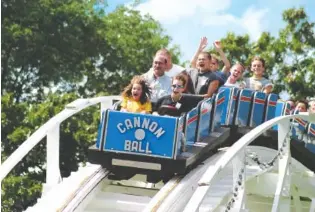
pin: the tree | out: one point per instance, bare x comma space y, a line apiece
23, 185
56, 45
60, 44
47, 42
296, 45
132, 42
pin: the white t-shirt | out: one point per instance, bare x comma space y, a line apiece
237, 84
256, 84
176, 69
160, 86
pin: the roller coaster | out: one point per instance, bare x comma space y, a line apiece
240, 150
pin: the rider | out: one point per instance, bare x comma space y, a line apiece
136, 97
236, 74
257, 81
176, 103
157, 80
205, 82
214, 66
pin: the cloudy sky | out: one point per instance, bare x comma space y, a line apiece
186, 21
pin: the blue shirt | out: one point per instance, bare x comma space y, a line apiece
222, 77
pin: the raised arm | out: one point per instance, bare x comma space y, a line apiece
227, 65
202, 45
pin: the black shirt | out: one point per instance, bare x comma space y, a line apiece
183, 105
201, 80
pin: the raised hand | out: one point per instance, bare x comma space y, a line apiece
217, 45
203, 43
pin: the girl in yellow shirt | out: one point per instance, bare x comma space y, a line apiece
136, 97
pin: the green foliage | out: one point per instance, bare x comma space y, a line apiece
45, 42
296, 45
132, 42
238, 47
58, 45
62, 44
18, 192
76, 134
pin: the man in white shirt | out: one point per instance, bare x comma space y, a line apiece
171, 69
156, 78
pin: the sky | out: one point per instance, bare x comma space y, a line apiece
186, 21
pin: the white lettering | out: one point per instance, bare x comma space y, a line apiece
134, 146
159, 132
136, 122
145, 123
122, 130
153, 126
140, 145
127, 145
147, 149
128, 124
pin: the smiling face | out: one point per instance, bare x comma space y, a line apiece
136, 91
177, 87
159, 65
257, 68
301, 107
203, 62
236, 72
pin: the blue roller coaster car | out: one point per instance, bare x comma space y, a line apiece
161, 146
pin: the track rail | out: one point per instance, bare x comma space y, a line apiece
90, 189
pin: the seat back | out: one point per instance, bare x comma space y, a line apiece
100, 130
244, 105
300, 127
232, 106
180, 137
311, 137
191, 125
228, 100
311, 130
218, 107
271, 107
282, 109
204, 119
258, 109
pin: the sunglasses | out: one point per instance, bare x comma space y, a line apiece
177, 86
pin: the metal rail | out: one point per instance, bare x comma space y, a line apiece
236, 154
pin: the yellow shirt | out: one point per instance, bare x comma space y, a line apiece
134, 106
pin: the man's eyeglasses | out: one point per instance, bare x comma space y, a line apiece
177, 86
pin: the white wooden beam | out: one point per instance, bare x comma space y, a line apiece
284, 164
312, 208
239, 176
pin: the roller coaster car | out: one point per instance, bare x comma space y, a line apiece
158, 146
161, 146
